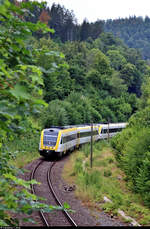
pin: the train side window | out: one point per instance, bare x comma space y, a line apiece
104, 131
88, 134
69, 138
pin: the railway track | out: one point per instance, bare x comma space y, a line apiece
52, 198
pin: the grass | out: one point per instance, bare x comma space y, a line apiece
105, 178
23, 158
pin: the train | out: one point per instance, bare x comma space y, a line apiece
58, 140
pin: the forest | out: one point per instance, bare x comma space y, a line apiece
134, 31
51, 65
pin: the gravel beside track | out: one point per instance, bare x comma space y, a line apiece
82, 215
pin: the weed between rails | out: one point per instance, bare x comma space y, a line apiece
105, 178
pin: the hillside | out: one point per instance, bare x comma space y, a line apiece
134, 31
52, 77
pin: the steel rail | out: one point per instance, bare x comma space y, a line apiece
33, 191
56, 198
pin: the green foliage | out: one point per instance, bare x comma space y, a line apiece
21, 96
107, 173
117, 60
116, 109
89, 74
92, 178
78, 166
86, 149
97, 60
133, 146
55, 115
56, 78
76, 109
20, 80
117, 86
134, 31
19, 202
106, 180
26, 139
93, 80
145, 98
136, 157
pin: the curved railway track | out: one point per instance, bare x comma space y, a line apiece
52, 193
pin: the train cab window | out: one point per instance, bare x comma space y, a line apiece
50, 138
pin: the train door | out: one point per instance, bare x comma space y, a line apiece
78, 139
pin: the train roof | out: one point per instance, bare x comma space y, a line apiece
52, 129
58, 128
115, 125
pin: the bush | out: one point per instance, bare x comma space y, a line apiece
134, 158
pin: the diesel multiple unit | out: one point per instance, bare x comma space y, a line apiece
59, 140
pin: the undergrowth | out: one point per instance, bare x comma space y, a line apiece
105, 178
24, 145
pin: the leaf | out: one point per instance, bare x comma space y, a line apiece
3, 223
10, 176
52, 207
8, 110
20, 91
36, 79
3, 7
40, 102
17, 181
34, 182
66, 205
30, 195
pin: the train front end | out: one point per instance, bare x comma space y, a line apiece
48, 142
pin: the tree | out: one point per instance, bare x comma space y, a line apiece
132, 146
96, 29
117, 85
21, 96
97, 60
64, 23
132, 78
99, 69
44, 17
84, 30
49, 117
134, 31
117, 60
145, 97
75, 54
